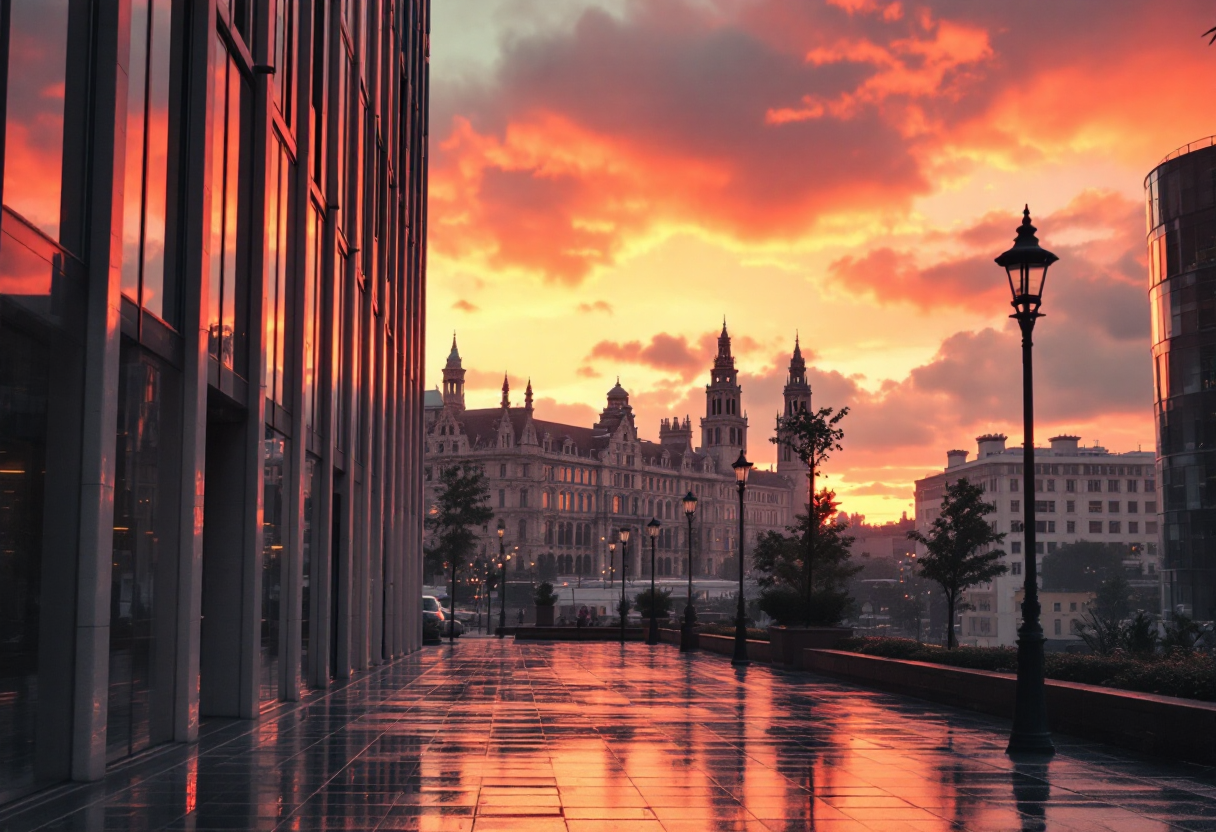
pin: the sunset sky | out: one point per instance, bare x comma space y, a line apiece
611, 177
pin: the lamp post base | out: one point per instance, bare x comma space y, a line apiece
686, 631
1030, 734
652, 636
739, 659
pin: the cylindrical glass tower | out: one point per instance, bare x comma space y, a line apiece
1181, 203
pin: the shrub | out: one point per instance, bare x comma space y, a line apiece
662, 603
788, 606
544, 595
1177, 673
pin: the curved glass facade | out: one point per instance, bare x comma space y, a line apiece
1181, 206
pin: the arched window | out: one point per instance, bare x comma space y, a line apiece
616, 504
545, 499
650, 507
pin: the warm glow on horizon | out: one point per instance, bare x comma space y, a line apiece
611, 177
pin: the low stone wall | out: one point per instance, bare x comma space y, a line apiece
578, 634
1179, 728
757, 651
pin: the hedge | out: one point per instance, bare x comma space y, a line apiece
1188, 675
753, 633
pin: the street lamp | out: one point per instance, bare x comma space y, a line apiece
652, 528
624, 534
1026, 266
502, 578
742, 469
690, 614
611, 561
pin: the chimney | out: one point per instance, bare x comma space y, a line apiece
1065, 445
990, 444
955, 459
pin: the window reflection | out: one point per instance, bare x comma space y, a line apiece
24, 372
283, 83
143, 526
145, 181
312, 317
280, 175
272, 561
310, 484
33, 130
226, 307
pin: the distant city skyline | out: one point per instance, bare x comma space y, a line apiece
572, 242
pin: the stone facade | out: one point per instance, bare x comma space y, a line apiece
564, 491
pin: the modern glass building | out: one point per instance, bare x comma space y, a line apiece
1181, 202
212, 283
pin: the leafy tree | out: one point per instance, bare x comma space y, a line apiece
1113, 601
623, 607
1082, 566
461, 507
958, 555
811, 436
779, 559
662, 603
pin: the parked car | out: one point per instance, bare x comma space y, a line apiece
432, 620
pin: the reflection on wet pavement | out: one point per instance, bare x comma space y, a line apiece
493, 735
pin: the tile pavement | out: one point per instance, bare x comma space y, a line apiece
494, 736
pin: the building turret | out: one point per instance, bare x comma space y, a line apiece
676, 434
453, 380
528, 397
797, 397
724, 428
506, 392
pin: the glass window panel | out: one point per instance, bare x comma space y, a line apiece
312, 315
310, 489
33, 130
23, 395
133, 179
271, 288
232, 187
143, 524
272, 560
157, 297
218, 157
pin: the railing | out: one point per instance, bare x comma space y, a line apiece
1198, 144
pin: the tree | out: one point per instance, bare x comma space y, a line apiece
1082, 566
1113, 601
811, 436
780, 561
662, 603
958, 555
461, 506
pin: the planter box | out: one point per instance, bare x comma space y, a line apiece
757, 651
544, 616
1167, 725
789, 642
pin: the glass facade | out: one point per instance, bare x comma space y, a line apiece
1180, 199
186, 488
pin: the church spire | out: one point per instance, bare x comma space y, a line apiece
528, 397
453, 380
506, 392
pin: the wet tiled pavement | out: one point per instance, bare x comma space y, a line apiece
493, 735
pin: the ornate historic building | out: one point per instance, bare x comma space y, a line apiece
564, 491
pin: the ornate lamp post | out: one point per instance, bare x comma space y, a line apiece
502, 578
1026, 266
742, 469
690, 613
624, 565
652, 529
